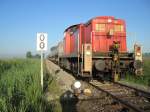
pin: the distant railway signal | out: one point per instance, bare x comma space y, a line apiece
42, 46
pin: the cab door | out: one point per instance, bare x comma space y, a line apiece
87, 58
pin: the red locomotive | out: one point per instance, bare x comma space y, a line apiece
97, 48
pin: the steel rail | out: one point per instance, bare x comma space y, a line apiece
119, 99
145, 93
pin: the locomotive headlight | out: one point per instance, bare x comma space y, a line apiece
88, 52
77, 85
109, 20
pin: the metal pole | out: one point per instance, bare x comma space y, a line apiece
78, 55
42, 70
82, 60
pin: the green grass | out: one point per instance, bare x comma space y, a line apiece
20, 89
145, 79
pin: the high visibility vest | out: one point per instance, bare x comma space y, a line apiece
116, 45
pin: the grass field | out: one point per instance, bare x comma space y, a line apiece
145, 79
20, 89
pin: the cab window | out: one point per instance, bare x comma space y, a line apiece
100, 27
118, 28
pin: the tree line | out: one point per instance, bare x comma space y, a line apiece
146, 54
30, 55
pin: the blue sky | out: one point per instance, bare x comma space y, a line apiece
20, 20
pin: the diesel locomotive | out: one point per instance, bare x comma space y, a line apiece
97, 48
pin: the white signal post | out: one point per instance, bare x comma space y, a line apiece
42, 70
42, 46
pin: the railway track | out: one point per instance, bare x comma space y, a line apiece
132, 98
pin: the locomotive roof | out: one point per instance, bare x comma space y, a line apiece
75, 25
98, 17
103, 17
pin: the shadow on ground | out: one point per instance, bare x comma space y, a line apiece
68, 102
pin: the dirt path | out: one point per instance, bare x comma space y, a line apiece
63, 79
61, 83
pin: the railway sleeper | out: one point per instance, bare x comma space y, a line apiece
114, 108
117, 94
144, 106
115, 89
125, 95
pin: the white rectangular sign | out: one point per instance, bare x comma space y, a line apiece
42, 41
